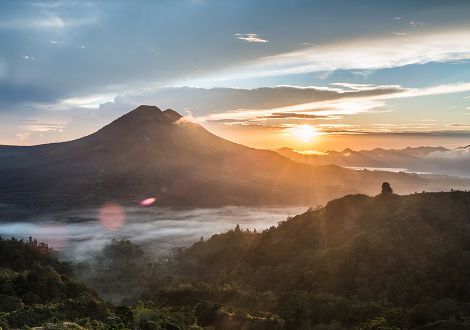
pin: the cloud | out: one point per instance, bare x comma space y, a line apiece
369, 87
366, 54
250, 37
89, 101
205, 101
327, 109
342, 99
416, 24
454, 154
287, 115
273, 106
30, 128
48, 21
459, 125
433, 90
52, 4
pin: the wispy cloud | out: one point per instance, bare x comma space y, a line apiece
367, 54
459, 125
34, 127
416, 24
313, 110
57, 22
88, 101
250, 37
48, 21
433, 90
368, 87
347, 100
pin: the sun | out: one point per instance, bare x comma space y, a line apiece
304, 133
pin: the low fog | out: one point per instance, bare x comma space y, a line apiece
79, 234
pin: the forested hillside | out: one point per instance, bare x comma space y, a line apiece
401, 260
37, 290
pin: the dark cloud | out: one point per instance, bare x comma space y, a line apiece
205, 101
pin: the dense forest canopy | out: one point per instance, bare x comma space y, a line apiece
383, 262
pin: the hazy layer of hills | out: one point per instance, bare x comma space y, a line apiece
154, 153
437, 160
385, 262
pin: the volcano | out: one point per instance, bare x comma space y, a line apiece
150, 153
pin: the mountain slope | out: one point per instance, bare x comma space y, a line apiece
401, 259
154, 153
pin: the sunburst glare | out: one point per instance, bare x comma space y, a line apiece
304, 133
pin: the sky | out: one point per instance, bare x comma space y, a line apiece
310, 75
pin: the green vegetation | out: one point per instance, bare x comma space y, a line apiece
384, 262
38, 290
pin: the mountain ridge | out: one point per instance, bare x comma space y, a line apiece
433, 160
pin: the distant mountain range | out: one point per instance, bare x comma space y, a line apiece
436, 160
153, 153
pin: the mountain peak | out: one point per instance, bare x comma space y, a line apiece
146, 113
151, 112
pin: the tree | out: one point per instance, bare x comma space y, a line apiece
386, 188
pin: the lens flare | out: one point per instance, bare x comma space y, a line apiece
147, 201
112, 216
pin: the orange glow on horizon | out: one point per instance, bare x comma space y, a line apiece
272, 138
